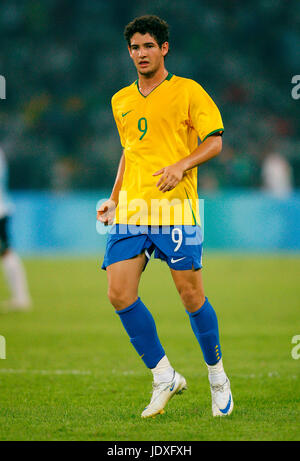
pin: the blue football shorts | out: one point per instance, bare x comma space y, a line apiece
179, 245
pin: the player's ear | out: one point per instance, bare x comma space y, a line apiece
129, 50
165, 48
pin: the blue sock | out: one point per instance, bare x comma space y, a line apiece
140, 326
205, 327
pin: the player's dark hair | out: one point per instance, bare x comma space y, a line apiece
153, 25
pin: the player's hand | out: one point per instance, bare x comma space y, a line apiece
106, 212
170, 176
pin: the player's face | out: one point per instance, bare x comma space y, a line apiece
146, 54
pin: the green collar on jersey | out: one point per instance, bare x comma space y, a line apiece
168, 77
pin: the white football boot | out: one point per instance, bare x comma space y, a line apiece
162, 393
15, 305
222, 401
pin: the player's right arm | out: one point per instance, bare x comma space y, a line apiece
106, 212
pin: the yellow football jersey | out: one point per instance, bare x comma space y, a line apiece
156, 131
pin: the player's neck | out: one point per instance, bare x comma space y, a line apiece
147, 83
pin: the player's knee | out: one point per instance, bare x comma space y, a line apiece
192, 298
115, 297
119, 298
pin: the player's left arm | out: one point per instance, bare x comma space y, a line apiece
171, 175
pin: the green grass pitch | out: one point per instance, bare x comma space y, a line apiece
71, 374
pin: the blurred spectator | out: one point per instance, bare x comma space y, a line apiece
62, 174
12, 265
208, 182
277, 175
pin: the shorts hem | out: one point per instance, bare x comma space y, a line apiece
192, 267
104, 265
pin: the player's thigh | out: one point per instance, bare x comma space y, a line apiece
123, 281
190, 287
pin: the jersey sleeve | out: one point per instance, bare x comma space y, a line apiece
204, 114
118, 122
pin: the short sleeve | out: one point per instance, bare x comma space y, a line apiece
204, 114
118, 123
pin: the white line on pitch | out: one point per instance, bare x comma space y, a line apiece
272, 374
44, 372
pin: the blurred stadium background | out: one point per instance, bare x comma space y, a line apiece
64, 59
